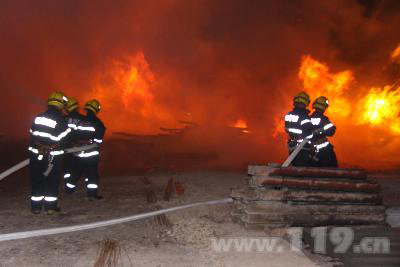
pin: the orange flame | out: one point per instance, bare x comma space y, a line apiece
395, 56
319, 81
379, 107
125, 89
240, 123
382, 108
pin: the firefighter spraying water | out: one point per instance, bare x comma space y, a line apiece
88, 129
48, 135
299, 128
72, 162
323, 153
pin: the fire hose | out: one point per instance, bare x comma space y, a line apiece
88, 226
294, 153
81, 227
24, 163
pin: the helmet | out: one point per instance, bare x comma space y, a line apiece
57, 99
321, 103
72, 104
302, 97
93, 105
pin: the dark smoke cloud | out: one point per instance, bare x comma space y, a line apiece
220, 60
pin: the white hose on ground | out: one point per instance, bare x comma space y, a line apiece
14, 169
24, 163
81, 227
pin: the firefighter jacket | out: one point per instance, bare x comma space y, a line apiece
298, 126
74, 119
322, 127
91, 130
48, 133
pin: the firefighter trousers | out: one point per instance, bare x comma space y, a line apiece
73, 169
44, 189
326, 157
303, 158
87, 167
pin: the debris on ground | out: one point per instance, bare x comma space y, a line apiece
169, 190
109, 254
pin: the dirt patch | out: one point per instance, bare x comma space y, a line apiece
184, 241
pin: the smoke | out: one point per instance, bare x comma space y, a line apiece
209, 62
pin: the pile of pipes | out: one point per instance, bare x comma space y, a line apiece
278, 196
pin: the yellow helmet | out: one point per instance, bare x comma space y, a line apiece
57, 99
321, 103
302, 97
72, 104
93, 105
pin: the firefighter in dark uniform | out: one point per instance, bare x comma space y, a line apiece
324, 155
48, 134
91, 131
298, 127
73, 166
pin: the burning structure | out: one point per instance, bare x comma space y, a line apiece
211, 63
206, 83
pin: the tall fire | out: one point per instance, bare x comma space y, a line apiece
169, 124
318, 80
126, 89
380, 107
377, 109
156, 64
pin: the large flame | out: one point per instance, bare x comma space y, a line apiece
136, 80
126, 90
382, 108
318, 80
367, 123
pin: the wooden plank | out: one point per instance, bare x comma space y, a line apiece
357, 174
261, 169
285, 195
321, 184
342, 197
279, 207
312, 220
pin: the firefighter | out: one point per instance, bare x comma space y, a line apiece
324, 155
47, 139
298, 127
73, 166
92, 130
